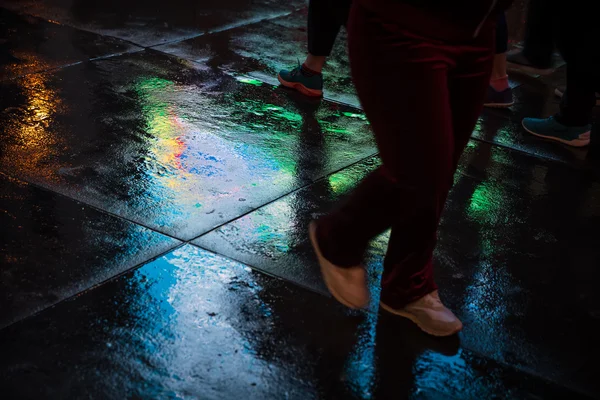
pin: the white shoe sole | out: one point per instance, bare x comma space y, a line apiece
326, 272
417, 322
558, 92
573, 143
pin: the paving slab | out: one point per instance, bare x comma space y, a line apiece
192, 324
503, 127
52, 248
29, 44
516, 232
175, 148
152, 22
261, 50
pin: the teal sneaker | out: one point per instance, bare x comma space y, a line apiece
296, 79
550, 128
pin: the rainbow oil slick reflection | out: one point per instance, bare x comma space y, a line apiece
189, 157
180, 150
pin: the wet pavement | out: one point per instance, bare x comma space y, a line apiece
155, 191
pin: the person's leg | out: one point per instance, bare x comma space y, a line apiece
419, 150
561, 89
409, 180
582, 68
499, 93
572, 124
499, 67
499, 77
467, 84
325, 18
579, 97
536, 56
538, 44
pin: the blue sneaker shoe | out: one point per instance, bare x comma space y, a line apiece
496, 99
307, 85
550, 128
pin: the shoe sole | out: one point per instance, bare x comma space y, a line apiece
416, 321
560, 94
529, 70
573, 143
300, 87
498, 105
324, 265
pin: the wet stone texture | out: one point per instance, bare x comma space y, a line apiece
154, 204
195, 325
274, 238
178, 149
52, 248
501, 262
503, 127
151, 22
261, 50
29, 44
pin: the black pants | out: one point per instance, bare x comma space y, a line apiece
540, 33
501, 34
575, 39
325, 18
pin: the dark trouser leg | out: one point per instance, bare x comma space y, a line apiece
540, 33
583, 64
501, 35
325, 18
422, 98
579, 98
